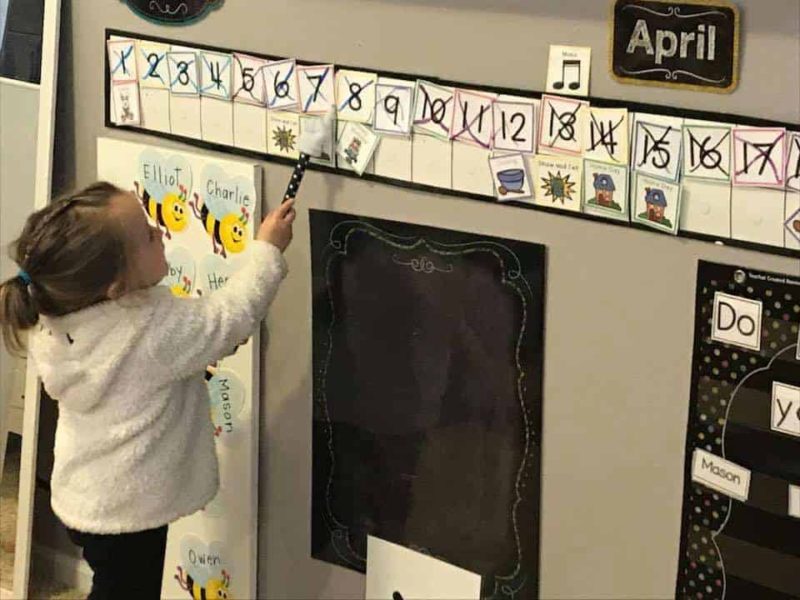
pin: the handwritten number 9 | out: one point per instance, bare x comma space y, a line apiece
392, 106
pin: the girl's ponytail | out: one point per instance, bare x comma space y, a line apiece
69, 253
17, 312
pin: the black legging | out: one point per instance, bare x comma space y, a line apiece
126, 565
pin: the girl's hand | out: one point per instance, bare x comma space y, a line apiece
276, 228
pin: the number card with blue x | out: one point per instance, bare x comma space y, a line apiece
122, 60
183, 73
152, 65
248, 79
317, 91
394, 106
216, 77
280, 79
355, 96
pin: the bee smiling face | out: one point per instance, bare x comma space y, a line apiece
174, 212
232, 233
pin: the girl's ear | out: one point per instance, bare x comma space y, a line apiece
116, 289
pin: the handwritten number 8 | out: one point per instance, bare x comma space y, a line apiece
354, 101
183, 73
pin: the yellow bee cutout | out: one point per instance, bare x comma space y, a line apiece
212, 589
169, 212
228, 231
182, 289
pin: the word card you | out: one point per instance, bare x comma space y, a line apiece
677, 44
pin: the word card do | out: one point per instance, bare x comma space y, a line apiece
736, 321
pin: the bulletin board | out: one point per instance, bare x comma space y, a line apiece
187, 196
740, 534
743, 173
620, 300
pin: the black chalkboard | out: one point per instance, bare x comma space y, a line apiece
427, 396
21, 39
731, 548
173, 12
693, 43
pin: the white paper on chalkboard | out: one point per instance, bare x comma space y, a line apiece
706, 207
794, 500
184, 116
471, 171
250, 126
395, 572
216, 120
155, 108
758, 215
393, 158
432, 161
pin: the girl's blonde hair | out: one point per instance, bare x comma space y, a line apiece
69, 253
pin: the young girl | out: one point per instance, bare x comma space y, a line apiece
125, 359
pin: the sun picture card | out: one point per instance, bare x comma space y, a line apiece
122, 60
433, 109
283, 133
317, 89
656, 203
759, 156
248, 79
561, 129
314, 123
152, 65
515, 125
605, 190
281, 84
707, 152
558, 181
355, 95
473, 118
606, 135
127, 108
394, 106
356, 145
792, 178
657, 146
184, 73
510, 177
216, 75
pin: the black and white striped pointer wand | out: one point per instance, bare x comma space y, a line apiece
311, 144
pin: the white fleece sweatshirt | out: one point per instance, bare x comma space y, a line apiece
134, 445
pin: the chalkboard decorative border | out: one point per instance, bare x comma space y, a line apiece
599, 102
512, 276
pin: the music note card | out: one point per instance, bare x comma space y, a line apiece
568, 70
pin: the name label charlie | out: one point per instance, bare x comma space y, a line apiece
721, 475
694, 43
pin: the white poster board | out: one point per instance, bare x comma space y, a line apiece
196, 200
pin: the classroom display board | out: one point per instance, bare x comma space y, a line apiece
709, 176
427, 356
206, 208
740, 536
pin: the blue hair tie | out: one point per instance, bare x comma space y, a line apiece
24, 277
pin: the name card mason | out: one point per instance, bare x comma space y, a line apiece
692, 44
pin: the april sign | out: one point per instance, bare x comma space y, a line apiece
692, 44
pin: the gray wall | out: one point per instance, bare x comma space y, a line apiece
619, 302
